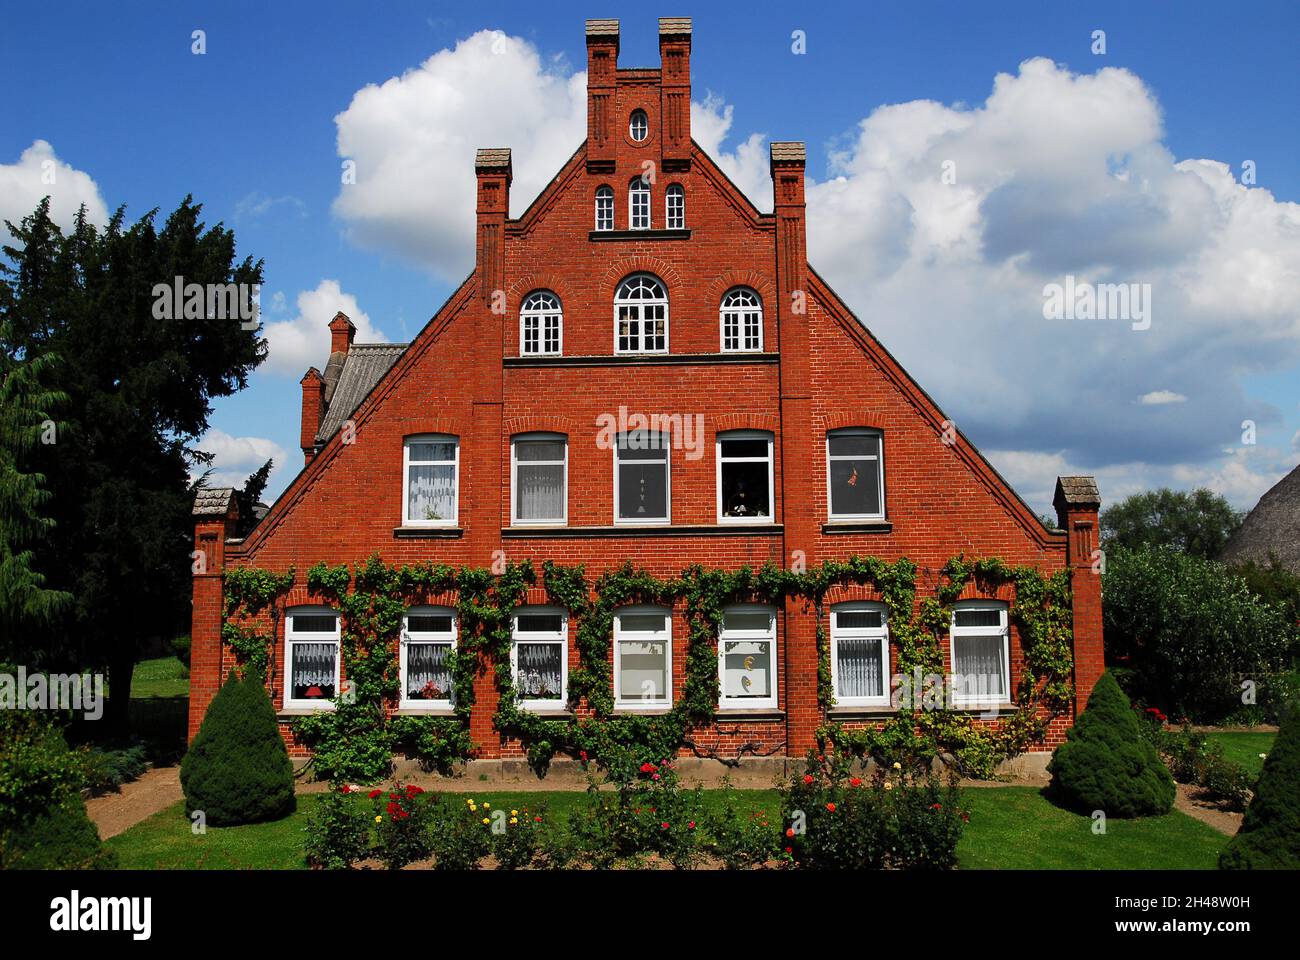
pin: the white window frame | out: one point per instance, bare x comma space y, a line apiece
880, 472
675, 220
737, 312
665, 445
879, 634
637, 188
641, 336
769, 702
408, 638
604, 205
292, 639
407, 463
515, 520
533, 310
959, 699
560, 638
717, 475
665, 636
632, 126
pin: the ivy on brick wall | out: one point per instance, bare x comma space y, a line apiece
357, 739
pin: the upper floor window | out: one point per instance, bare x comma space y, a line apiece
981, 655
430, 480
855, 474
747, 658
675, 207
539, 476
745, 476
643, 651
860, 654
742, 321
638, 126
539, 657
641, 315
428, 638
605, 208
638, 204
311, 657
541, 322
641, 478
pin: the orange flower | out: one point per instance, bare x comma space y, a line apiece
830, 807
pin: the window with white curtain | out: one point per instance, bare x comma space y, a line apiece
855, 474
744, 476
430, 480
860, 654
311, 657
981, 653
428, 638
539, 476
604, 208
539, 659
747, 658
675, 207
643, 650
742, 321
638, 204
541, 323
641, 315
641, 477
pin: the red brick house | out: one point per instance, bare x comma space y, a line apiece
643, 367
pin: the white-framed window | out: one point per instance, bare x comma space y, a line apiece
311, 657
428, 638
539, 657
638, 204
675, 207
541, 324
744, 459
747, 658
742, 321
605, 208
860, 654
539, 478
641, 315
643, 658
981, 653
638, 126
855, 474
430, 480
642, 478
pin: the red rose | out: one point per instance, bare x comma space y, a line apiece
664, 825
830, 807
855, 782
345, 789
789, 849
789, 832
807, 778
690, 825
936, 806
374, 793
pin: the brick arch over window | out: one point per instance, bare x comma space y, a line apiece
850, 592
839, 421
1004, 592
539, 423
743, 278
745, 421
620, 270
411, 426
530, 282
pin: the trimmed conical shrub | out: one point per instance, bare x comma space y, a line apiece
1105, 764
237, 769
1269, 838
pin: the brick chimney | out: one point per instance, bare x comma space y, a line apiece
492, 167
215, 514
313, 406
342, 331
602, 84
1077, 503
675, 91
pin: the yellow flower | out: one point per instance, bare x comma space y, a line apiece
897, 765
486, 805
379, 819
486, 820
514, 819
888, 785
470, 801
514, 813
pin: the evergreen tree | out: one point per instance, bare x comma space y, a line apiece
1269, 838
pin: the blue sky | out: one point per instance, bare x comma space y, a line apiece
250, 129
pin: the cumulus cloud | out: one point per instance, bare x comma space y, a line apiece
1157, 397
40, 173
304, 340
234, 458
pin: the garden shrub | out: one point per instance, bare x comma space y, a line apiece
741, 839
237, 770
338, 831
404, 824
106, 768
461, 834
62, 838
518, 836
1194, 759
648, 814
1269, 838
1106, 764
181, 650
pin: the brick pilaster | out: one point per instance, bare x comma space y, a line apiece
215, 513
1077, 504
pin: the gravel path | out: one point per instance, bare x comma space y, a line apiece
157, 789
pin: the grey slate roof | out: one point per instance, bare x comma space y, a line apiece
213, 501
357, 373
1272, 527
1077, 491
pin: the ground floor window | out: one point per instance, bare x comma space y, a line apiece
981, 654
311, 657
428, 638
747, 658
860, 654
643, 657
539, 657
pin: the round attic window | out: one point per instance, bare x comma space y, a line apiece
638, 127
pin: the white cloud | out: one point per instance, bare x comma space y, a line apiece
39, 173
234, 458
1157, 398
304, 340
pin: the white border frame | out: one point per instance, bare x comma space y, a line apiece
722, 322
879, 634
717, 473
954, 631
831, 515
525, 312
422, 637
291, 639
562, 638
666, 636
668, 485
641, 337
770, 702
515, 520
649, 203
406, 477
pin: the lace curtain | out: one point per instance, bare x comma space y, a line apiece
979, 665
312, 673
858, 667
428, 672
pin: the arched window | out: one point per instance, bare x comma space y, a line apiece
605, 208
638, 126
638, 204
675, 207
742, 321
541, 323
641, 315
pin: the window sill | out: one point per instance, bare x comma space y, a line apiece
427, 533
858, 526
761, 713
616, 235
288, 713
424, 712
548, 714
850, 713
647, 530
641, 712
977, 709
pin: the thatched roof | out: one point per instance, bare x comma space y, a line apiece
1272, 527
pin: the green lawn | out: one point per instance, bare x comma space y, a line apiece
1010, 828
1245, 748
161, 677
